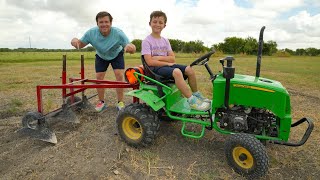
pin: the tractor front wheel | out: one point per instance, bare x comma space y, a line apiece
246, 155
137, 125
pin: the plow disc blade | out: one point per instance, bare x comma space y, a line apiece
67, 115
87, 107
43, 134
81, 105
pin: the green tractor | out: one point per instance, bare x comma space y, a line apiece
251, 109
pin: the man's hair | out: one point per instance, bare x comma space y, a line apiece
158, 14
103, 14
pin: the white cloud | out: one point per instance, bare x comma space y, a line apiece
306, 23
276, 5
52, 23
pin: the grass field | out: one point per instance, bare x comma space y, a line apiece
21, 72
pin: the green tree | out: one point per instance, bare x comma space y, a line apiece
218, 47
301, 52
5, 50
250, 46
269, 48
194, 47
176, 45
137, 43
291, 52
312, 51
233, 45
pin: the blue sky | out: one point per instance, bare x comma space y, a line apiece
244, 3
52, 24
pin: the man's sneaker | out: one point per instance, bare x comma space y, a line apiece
101, 106
120, 105
201, 97
196, 104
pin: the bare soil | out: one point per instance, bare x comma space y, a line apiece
92, 150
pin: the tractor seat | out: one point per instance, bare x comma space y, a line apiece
148, 72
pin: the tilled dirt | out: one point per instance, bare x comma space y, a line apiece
93, 150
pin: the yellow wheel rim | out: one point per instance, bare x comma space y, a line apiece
131, 128
242, 157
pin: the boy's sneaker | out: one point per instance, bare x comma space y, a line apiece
120, 105
196, 104
201, 97
100, 106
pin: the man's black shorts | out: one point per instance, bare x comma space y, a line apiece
102, 65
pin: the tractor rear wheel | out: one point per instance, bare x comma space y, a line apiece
137, 124
246, 155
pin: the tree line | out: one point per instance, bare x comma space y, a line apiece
88, 48
230, 45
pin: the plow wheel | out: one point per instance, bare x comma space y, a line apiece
246, 155
32, 120
137, 125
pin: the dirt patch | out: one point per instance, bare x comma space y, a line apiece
91, 150
310, 97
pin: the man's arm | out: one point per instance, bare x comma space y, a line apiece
75, 42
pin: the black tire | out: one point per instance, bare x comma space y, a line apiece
137, 125
77, 107
246, 155
264, 142
32, 120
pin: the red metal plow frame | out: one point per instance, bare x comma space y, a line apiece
77, 88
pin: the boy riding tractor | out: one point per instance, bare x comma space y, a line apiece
251, 109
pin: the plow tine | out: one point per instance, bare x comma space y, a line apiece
86, 106
70, 116
67, 114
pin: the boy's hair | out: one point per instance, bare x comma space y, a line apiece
103, 14
158, 14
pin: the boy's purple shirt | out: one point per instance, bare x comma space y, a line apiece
155, 47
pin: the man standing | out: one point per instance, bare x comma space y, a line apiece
110, 44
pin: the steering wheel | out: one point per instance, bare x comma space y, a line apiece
202, 60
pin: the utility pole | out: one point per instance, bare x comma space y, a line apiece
29, 42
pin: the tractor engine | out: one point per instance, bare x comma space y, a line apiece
234, 121
248, 120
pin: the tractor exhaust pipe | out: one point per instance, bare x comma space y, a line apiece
260, 51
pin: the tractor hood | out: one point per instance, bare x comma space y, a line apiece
253, 92
257, 83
